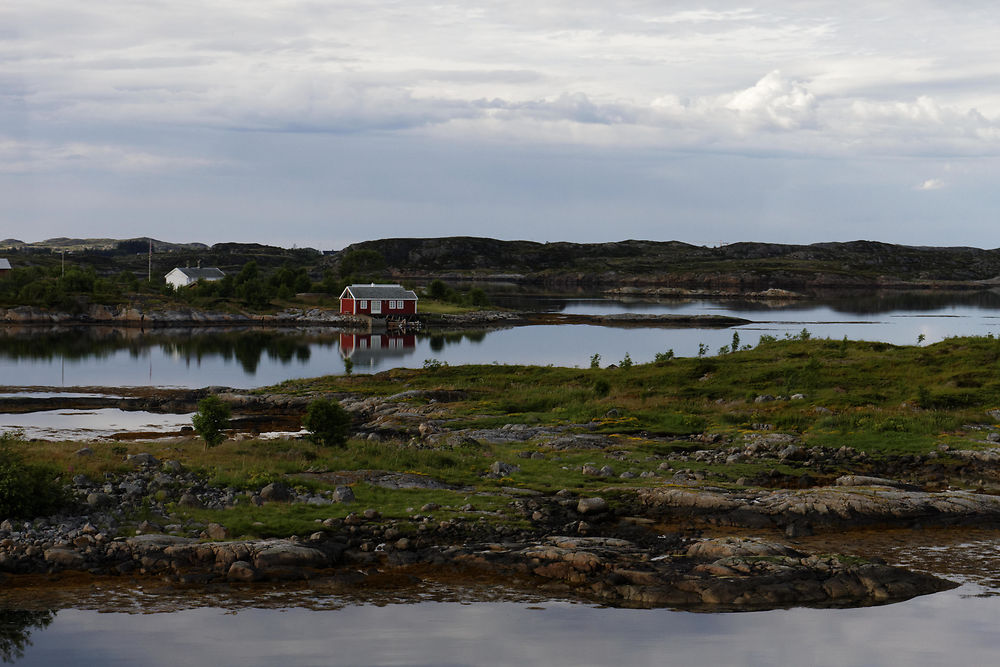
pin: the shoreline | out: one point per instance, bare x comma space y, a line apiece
626, 546
11, 318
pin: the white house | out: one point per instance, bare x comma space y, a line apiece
182, 277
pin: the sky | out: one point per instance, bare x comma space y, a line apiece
312, 123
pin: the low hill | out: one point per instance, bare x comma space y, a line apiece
856, 263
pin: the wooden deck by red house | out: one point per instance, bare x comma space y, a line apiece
378, 301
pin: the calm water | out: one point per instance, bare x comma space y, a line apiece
490, 625
948, 628
473, 627
249, 358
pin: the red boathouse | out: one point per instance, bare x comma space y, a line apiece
378, 300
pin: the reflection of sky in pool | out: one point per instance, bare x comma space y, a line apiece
947, 628
89, 424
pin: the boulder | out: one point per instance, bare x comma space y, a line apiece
284, 554
343, 494
275, 492
592, 505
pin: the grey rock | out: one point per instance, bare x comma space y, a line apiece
501, 469
285, 554
143, 459
592, 505
864, 480
64, 557
189, 500
275, 492
215, 531
98, 499
241, 570
343, 494
85, 451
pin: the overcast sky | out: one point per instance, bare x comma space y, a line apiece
304, 122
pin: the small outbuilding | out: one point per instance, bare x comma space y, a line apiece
182, 277
378, 300
4, 266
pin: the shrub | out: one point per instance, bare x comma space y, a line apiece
211, 420
328, 424
26, 490
602, 388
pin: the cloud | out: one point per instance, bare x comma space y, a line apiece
931, 184
33, 156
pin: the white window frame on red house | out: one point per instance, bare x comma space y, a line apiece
362, 303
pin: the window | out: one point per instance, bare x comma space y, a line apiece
363, 303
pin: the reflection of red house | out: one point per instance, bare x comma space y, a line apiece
376, 346
378, 300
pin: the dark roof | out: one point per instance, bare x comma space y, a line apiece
4, 264
208, 273
379, 292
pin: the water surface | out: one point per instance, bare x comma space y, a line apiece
249, 357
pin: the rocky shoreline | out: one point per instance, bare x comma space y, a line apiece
576, 546
617, 544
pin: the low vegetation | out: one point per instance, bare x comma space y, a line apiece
885, 402
26, 489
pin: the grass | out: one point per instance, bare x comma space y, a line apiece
283, 519
432, 307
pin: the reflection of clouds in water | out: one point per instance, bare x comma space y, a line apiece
938, 629
294, 355
90, 424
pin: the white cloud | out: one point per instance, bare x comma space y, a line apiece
931, 184
33, 156
229, 88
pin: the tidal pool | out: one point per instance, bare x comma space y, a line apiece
86, 425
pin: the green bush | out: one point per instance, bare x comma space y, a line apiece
211, 420
328, 424
26, 490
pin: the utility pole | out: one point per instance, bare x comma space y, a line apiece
149, 276
63, 263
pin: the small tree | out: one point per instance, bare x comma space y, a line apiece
328, 423
211, 420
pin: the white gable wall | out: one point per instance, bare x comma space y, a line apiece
177, 279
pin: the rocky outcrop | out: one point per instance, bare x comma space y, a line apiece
821, 507
711, 574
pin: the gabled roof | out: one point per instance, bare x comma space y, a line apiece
4, 264
378, 292
208, 273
